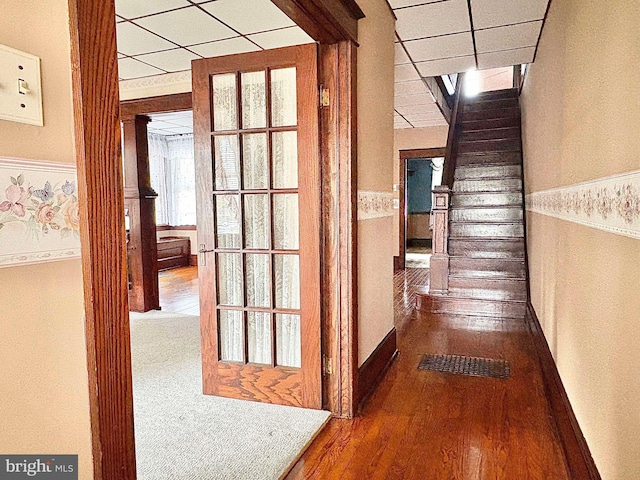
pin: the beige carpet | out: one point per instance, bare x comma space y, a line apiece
182, 434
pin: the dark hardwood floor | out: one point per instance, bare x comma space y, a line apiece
428, 425
179, 290
431, 426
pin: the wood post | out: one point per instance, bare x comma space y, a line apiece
440, 259
142, 249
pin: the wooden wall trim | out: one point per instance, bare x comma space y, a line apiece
399, 264
326, 21
161, 104
338, 151
164, 228
97, 140
375, 367
577, 453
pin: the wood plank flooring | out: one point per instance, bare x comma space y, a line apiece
430, 425
179, 290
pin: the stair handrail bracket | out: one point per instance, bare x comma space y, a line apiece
439, 284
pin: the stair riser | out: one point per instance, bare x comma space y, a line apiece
487, 249
482, 267
473, 307
469, 125
496, 134
489, 114
491, 104
508, 145
486, 215
480, 185
486, 230
493, 158
499, 295
497, 95
467, 172
486, 199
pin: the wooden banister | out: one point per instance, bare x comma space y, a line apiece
439, 283
455, 125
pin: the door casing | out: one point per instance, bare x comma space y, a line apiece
97, 137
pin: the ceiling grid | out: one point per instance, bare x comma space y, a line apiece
441, 37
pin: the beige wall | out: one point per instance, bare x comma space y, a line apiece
375, 172
44, 406
581, 119
413, 139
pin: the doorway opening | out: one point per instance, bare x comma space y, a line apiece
420, 171
172, 171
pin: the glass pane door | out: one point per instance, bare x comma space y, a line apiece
257, 241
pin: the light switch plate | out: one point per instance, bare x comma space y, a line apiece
19, 68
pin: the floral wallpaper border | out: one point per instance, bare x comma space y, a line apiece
374, 204
611, 204
39, 219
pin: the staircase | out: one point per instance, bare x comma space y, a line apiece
487, 271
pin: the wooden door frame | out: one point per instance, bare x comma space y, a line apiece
98, 152
402, 195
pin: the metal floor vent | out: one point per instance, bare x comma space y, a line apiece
473, 366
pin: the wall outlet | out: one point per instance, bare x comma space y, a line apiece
20, 87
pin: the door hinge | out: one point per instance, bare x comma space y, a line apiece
325, 99
327, 367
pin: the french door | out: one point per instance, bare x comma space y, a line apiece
258, 193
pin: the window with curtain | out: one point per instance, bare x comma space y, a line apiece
172, 169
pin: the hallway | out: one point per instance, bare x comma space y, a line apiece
429, 425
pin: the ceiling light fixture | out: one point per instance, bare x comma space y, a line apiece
472, 83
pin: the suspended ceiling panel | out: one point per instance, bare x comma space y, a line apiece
157, 37
175, 123
440, 37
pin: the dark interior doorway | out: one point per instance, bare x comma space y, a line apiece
415, 184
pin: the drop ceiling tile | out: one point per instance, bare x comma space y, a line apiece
187, 26
445, 66
420, 99
180, 130
281, 38
133, 40
423, 109
130, 68
175, 60
139, 8
230, 46
182, 119
433, 19
410, 88
455, 45
401, 55
405, 73
430, 123
262, 15
409, 3
160, 125
416, 115
492, 13
506, 58
506, 38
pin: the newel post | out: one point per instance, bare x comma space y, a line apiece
440, 258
